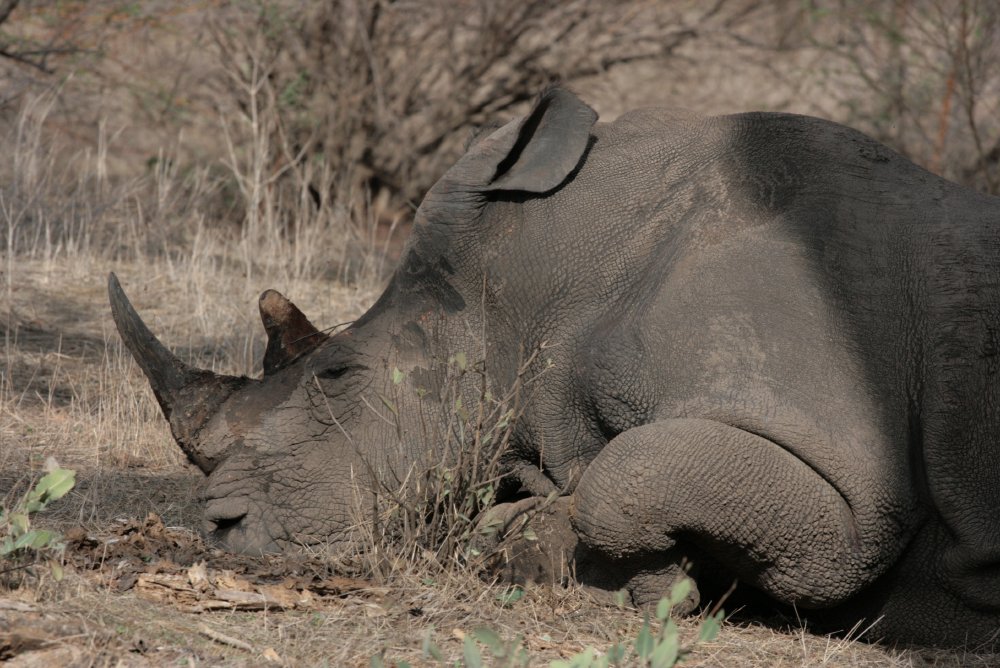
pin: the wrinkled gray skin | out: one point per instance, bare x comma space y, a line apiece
774, 347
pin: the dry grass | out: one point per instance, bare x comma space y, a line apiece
395, 620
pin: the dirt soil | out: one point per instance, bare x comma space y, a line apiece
143, 593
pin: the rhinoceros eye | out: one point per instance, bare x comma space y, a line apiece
334, 372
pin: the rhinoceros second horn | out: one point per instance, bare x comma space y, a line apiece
289, 333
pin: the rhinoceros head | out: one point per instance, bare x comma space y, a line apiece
290, 456
282, 464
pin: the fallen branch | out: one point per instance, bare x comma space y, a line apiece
224, 639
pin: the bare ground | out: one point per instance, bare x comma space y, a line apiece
141, 588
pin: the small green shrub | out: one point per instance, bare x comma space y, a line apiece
655, 646
21, 545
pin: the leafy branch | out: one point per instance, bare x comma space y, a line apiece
24, 546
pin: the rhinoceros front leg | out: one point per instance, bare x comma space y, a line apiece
742, 500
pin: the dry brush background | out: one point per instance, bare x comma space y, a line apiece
206, 150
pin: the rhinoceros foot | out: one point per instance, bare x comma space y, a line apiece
532, 540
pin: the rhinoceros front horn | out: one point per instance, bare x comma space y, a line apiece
189, 397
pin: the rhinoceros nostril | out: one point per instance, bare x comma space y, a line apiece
223, 523
223, 514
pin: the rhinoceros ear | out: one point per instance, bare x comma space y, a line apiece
289, 332
550, 142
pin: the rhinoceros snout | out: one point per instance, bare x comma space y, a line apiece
230, 524
224, 514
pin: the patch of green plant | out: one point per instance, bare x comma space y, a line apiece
657, 645
509, 596
21, 545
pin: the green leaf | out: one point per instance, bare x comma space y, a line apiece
57, 569
473, 659
388, 404
460, 360
376, 662
620, 597
430, 649
510, 596
584, 659
35, 539
616, 653
55, 484
490, 528
711, 626
397, 376
644, 641
663, 609
32, 506
18, 523
460, 410
665, 653
485, 495
491, 639
529, 534
504, 420
680, 590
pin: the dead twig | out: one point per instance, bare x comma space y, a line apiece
223, 639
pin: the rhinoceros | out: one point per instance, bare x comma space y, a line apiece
771, 351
